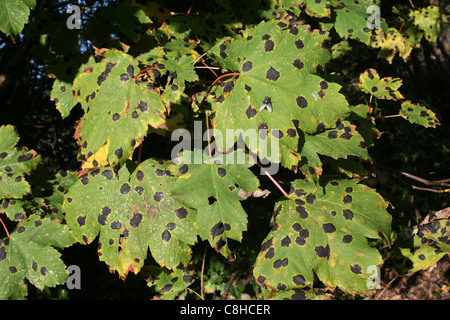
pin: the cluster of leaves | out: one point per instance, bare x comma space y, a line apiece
137, 74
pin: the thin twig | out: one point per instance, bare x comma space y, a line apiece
214, 83
392, 116
274, 181
193, 291
190, 8
441, 183
202, 290
4, 227
387, 286
229, 283
210, 68
429, 189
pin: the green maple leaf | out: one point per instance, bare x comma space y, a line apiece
429, 244
171, 285
62, 92
338, 143
15, 163
277, 61
212, 189
124, 107
313, 8
427, 20
176, 58
30, 253
351, 19
323, 232
381, 88
14, 15
131, 213
418, 114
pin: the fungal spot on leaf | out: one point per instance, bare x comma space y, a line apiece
247, 66
332, 134
322, 252
119, 153
323, 85
291, 132
347, 238
125, 188
143, 106
299, 280
280, 263
356, 269
12, 269
286, 241
277, 134
116, 225
158, 196
24, 157
181, 213
347, 199
170, 226
270, 253
222, 172
302, 212
219, 244
81, 220
140, 176
108, 174
116, 116
250, 112
281, 286
219, 228
298, 64
262, 129
136, 220
269, 46
348, 214
139, 190
266, 245
299, 44
124, 77
272, 74
328, 228
44, 271
166, 236
301, 102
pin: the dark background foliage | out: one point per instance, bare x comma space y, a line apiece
25, 103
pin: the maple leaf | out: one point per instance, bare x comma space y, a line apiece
418, 114
15, 163
278, 61
122, 105
427, 20
213, 189
31, 253
381, 88
132, 213
323, 232
351, 19
14, 15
